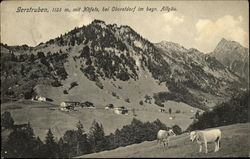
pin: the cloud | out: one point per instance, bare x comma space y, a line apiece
171, 21
209, 32
168, 29
80, 19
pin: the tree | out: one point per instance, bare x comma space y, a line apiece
21, 58
63, 149
38, 147
61, 42
32, 58
21, 143
51, 147
22, 70
170, 110
79, 127
159, 125
72, 40
70, 137
6, 120
29, 130
13, 57
82, 143
28, 94
97, 139
197, 114
40, 55
49, 138
76, 141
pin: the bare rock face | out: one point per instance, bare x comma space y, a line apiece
234, 56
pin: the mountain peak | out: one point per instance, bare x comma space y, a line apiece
224, 40
96, 21
233, 55
228, 45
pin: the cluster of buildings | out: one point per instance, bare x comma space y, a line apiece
119, 110
69, 105
39, 99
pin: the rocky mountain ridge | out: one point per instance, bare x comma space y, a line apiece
234, 56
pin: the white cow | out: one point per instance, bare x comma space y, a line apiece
163, 136
207, 136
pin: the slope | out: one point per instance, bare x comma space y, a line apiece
203, 76
233, 144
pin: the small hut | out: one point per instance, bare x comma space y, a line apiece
87, 105
121, 110
109, 106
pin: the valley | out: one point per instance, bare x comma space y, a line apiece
108, 64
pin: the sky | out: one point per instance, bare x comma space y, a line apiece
194, 24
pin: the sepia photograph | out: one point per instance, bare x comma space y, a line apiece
125, 79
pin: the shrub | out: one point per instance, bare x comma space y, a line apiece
73, 84
65, 92
124, 76
127, 100
119, 87
147, 99
141, 102
159, 104
177, 111
56, 83
114, 94
99, 84
177, 130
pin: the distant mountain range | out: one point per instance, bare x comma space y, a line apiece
106, 54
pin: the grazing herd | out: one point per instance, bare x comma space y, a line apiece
202, 137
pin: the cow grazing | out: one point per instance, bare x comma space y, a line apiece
163, 136
207, 136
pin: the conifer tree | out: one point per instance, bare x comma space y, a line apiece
6, 120
97, 139
51, 147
